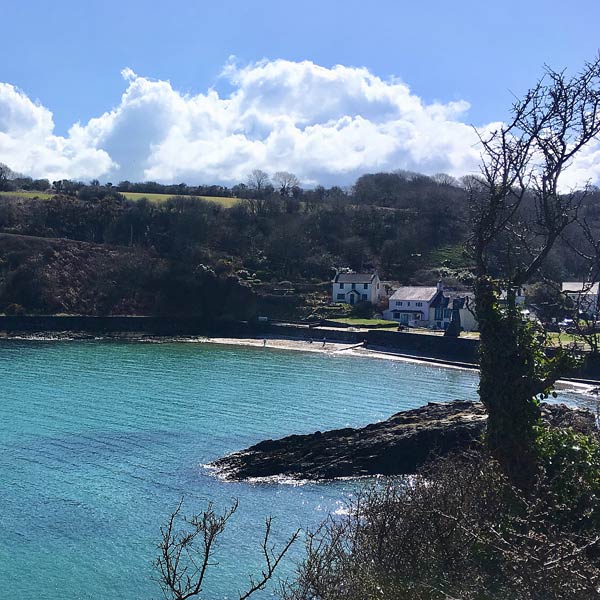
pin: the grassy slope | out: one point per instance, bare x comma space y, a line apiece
40, 195
225, 202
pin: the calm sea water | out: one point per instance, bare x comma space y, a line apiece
99, 440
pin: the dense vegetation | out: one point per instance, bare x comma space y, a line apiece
268, 238
411, 227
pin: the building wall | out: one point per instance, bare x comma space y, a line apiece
468, 320
372, 291
423, 309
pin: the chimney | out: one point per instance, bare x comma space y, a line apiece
440, 286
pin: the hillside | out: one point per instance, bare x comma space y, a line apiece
136, 249
48, 276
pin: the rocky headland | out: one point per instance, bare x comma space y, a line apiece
398, 445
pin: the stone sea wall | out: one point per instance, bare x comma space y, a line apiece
455, 350
430, 346
166, 326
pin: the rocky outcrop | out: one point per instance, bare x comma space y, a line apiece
399, 445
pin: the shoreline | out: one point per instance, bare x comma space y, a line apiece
328, 347
359, 351
332, 348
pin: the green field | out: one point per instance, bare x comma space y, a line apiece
225, 202
40, 195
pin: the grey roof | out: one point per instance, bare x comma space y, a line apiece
446, 299
579, 286
354, 277
420, 293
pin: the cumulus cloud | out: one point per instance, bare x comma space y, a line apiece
327, 125
28, 145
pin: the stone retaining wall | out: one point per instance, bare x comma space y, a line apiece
426, 346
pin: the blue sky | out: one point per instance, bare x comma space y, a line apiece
67, 56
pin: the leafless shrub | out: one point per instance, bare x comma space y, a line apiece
459, 530
187, 549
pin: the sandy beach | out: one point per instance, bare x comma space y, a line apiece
328, 347
359, 351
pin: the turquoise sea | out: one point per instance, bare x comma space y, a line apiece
100, 439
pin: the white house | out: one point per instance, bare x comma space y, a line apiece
423, 306
351, 288
409, 305
586, 296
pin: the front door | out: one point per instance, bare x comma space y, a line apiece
352, 298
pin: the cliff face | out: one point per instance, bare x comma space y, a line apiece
399, 445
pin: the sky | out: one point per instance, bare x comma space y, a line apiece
204, 92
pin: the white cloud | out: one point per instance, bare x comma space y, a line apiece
327, 125
28, 145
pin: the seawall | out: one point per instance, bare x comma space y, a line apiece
160, 326
453, 350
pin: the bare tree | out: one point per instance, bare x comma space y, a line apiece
259, 183
258, 180
445, 179
286, 182
186, 554
518, 213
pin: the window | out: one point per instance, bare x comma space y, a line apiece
419, 303
340, 296
447, 313
398, 302
439, 314
353, 286
396, 314
341, 286
364, 296
408, 304
365, 286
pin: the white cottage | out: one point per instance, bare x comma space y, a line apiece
422, 306
409, 305
351, 288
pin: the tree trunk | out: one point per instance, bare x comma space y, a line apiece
507, 371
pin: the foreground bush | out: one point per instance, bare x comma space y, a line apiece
459, 530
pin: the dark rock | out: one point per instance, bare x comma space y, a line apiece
399, 445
